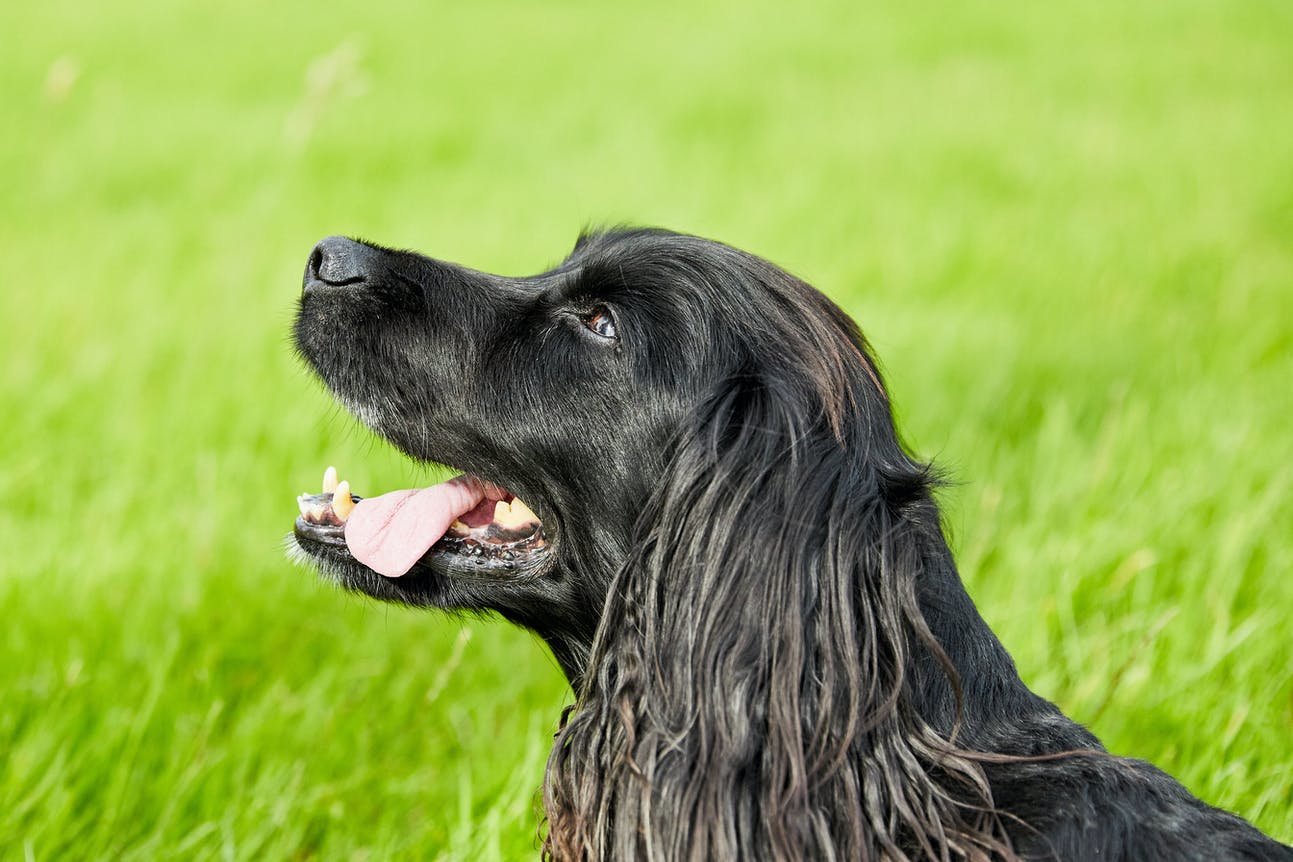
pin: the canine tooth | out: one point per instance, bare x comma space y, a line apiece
330, 480
503, 512
342, 504
521, 513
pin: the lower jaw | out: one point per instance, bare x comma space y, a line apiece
459, 557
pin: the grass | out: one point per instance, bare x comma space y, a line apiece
1067, 228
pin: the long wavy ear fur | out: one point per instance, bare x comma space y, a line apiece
750, 691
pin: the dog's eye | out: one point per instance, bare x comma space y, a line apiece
600, 322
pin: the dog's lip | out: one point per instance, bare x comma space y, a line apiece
496, 537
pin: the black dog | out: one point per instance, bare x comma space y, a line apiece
729, 551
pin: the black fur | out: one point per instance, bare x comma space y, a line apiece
749, 588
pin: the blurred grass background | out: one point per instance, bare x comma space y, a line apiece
1067, 229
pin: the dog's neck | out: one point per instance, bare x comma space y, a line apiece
993, 696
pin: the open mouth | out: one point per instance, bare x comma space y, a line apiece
466, 525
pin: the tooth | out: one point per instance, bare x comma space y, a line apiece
303, 505
521, 513
503, 512
459, 526
342, 504
330, 480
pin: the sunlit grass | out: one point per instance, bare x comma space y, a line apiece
1066, 231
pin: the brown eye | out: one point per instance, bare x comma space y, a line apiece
600, 322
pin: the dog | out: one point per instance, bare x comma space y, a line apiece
680, 469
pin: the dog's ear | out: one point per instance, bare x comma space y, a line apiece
748, 696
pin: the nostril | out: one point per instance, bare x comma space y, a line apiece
338, 261
316, 261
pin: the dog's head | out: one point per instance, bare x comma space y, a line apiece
564, 398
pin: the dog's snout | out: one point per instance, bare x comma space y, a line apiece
337, 261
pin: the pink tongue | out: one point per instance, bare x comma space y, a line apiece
391, 532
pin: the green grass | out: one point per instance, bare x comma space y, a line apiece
1067, 229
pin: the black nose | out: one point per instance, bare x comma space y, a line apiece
337, 261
